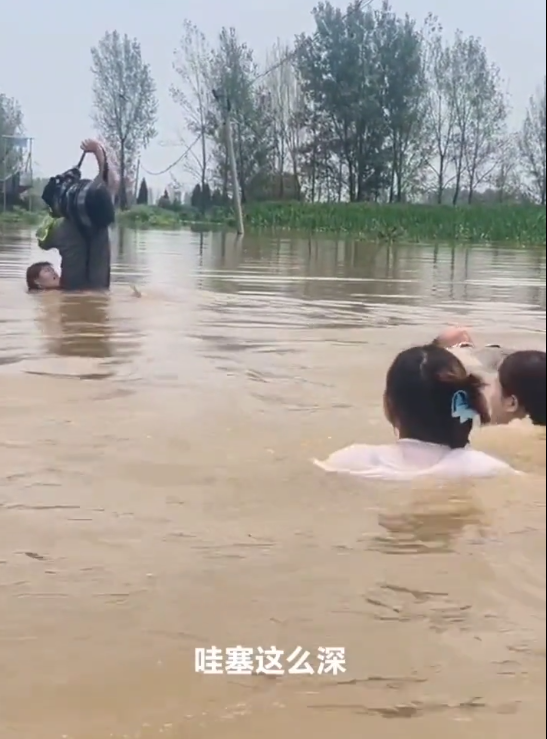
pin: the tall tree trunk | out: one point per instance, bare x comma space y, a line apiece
123, 184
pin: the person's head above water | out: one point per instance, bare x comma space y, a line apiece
519, 389
42, 276
431, 397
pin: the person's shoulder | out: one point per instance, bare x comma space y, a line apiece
476, 463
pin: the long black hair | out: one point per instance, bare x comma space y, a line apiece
522, 374
431, 397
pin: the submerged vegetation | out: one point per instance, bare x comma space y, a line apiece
409, 223
519, 225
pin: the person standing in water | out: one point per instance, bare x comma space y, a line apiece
432, 402
81, 212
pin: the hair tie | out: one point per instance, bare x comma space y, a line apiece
461, 408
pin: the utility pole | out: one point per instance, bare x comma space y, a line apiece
225, 103
4, 173
137, 183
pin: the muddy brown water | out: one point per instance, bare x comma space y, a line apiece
157, 496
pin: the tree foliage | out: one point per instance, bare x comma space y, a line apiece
480, 113
233, 72
364, 88
11, 124
532, 146
193, 94
369, 106
285, 100
125, 103
142, 195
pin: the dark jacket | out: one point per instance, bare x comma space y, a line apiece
85, 258
85, 211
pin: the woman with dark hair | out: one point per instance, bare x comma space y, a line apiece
42, 276
432, 402
519, 389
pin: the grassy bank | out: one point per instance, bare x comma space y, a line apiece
518, 225
410, 223
20, 217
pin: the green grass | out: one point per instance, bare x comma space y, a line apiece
150, 216
521, 225
518, 225
409, 223
21, 217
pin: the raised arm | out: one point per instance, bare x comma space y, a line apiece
106, 172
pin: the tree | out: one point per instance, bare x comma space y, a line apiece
142, 197
125, 103
11, 124
362, 123
343, 112
193, 93
480, 114
284, 97
165, 200
532, 145
506, 182
400, 48
440, 120
195, 198
233, 72
201, 198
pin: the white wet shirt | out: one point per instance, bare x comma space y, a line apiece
408, 459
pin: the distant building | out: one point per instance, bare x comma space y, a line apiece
14, 188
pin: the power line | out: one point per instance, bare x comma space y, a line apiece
177, 161
361, 5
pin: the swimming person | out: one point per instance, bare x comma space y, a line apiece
81, 212
431, 401
514, 380
486, 358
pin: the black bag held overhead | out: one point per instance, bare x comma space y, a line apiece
87, 203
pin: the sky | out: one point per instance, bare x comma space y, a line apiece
45, 57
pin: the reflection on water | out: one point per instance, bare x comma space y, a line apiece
168, 502
212, 291
76, 325
430, 526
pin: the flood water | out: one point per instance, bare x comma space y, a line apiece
157, 496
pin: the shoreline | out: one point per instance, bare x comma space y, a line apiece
518, 225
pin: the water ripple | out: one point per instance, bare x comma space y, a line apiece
204, 290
